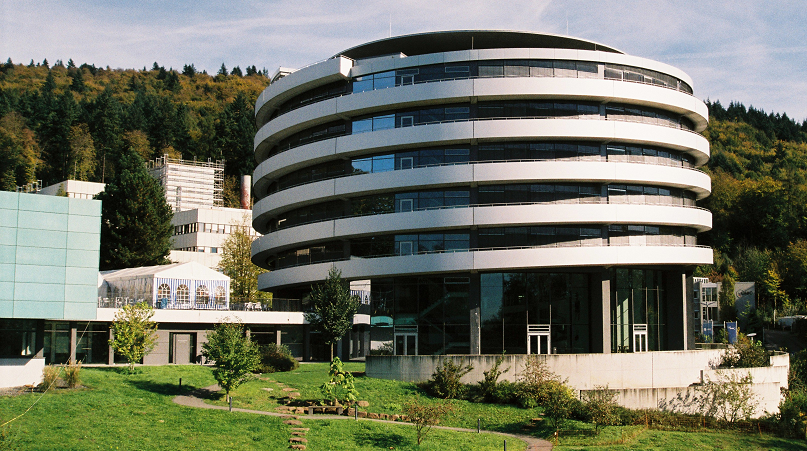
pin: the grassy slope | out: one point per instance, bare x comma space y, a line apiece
384, 396
136, 413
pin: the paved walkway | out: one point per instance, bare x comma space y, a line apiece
193, 399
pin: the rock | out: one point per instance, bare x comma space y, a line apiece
298, 433
294, 395
364, 404
297, 446
372, 416
301, 429
288, 389
293, 422
395, 417
268, 389
298, 440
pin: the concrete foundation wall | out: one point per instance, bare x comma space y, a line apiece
19, 372
644, 380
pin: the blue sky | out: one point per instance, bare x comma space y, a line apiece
751, 51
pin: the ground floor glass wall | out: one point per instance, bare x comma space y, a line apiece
427, 315
638, 313
555, 307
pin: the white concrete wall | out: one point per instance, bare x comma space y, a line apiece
644, 380
20, 372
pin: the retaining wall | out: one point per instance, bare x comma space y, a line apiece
643, 380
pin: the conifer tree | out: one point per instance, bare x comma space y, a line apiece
135, 218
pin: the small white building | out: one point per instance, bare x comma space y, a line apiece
76, 189
199, 234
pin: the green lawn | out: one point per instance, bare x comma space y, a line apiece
384, 396
135, 412
118, 411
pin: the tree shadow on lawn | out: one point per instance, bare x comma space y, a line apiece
162, 388
381, 439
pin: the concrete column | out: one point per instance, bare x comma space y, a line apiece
365, 342
73, 339
248, 333
475, 311
278, 337
40, 339
307, 343
678, 326
111, 358
601, 311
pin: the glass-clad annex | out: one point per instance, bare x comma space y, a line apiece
530, 194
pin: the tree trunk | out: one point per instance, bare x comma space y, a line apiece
331, 352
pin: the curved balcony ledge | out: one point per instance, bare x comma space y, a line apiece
480, 173
444, 220
451, 133
490, 260
485, 89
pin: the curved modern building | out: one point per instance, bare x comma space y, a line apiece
494, 191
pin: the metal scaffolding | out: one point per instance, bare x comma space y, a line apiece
189, 184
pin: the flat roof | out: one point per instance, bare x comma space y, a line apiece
450, 41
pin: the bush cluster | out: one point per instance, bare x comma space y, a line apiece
746, 353
276, 358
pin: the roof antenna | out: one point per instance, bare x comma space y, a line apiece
390, 24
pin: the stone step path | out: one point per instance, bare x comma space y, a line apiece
194, 399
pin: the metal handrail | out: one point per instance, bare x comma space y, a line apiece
321, 99
500, 204
483, 249
448, 121
518, 160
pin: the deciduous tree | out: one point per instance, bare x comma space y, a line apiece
236, 263
235, 356
133, 332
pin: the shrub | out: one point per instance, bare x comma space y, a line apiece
533, 383
728, 397
277, 358
340, 388
445, 382
559, 401
72, 374
600, 405
424, 416
746, 353
489, 386
50, 376
792, 421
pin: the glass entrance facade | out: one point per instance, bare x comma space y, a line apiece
512, 301
637, 308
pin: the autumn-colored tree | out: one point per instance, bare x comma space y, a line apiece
82, 161
236, 263
19, 152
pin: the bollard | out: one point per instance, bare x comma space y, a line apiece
505, 444
230, 399
356, 412
478, 425
180, 383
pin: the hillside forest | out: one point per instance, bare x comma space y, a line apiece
67, 121
75, 122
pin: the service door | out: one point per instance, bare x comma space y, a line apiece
182, 347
